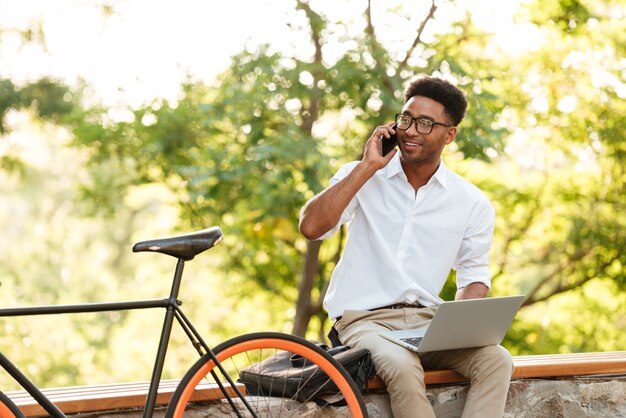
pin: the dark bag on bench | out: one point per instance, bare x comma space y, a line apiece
291, 376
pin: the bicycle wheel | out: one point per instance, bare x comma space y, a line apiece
8, 409
198, 395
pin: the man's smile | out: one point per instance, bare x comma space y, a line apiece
412, 143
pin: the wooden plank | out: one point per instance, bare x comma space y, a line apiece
431, 377
127, 387
548, 365
77, 399
562, 365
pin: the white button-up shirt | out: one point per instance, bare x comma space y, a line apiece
402, 245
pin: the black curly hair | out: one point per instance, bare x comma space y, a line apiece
441, 91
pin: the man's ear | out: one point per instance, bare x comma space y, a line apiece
451, 135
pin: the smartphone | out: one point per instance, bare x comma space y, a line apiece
389, 143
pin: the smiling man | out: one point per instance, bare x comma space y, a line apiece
411, 221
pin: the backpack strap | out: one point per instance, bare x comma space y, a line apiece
298, 361
361, 380
333, 337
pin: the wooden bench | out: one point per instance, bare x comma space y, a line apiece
541, 366
132, 395
75, 399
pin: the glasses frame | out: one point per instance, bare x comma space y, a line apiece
417, 126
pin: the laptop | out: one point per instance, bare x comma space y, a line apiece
461, 324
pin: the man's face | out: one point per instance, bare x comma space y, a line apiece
418, 148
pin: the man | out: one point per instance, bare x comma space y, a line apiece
412, 220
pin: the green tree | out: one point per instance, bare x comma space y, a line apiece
56, 248
247, 155
563, 239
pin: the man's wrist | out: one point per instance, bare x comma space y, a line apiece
366, 168
473, 290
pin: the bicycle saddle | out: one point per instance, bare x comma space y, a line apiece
185, 246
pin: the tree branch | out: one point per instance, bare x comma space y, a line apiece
376, 49
311, 114
418, 38
315, 23
512, 237
565, 287
304, 307
560, 268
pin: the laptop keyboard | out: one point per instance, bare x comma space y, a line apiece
414, 341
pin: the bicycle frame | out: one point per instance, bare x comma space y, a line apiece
172, 306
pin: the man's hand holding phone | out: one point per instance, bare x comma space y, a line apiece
389, 143
381, 146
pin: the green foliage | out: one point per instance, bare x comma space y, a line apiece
48, 99
246, 154
583, 320
9, 99
566, 15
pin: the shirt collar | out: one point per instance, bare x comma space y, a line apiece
441, 175
395, 168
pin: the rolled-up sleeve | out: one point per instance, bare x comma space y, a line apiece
348, 212
472, 263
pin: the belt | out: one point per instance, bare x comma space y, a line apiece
394, 306
399, 306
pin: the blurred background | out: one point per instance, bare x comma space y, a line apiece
125, 120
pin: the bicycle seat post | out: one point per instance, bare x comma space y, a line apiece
165, 337
178, 277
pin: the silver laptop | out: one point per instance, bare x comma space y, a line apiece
461, 324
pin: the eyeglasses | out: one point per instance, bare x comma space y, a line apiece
423, 125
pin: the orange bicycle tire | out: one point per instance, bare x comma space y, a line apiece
267, 340
8, 409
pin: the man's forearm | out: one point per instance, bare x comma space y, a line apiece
322, 212
474, 290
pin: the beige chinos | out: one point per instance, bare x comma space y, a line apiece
488, 368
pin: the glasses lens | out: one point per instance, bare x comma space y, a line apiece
424, 126
404, 121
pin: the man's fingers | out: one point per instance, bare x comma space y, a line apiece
382, 131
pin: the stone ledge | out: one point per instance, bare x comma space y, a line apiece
597, 397
592, 397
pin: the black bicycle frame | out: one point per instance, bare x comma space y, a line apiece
172, 306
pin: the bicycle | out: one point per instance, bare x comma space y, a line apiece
216, 371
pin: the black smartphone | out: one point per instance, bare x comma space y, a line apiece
389, 143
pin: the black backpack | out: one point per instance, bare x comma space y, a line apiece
291, 376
